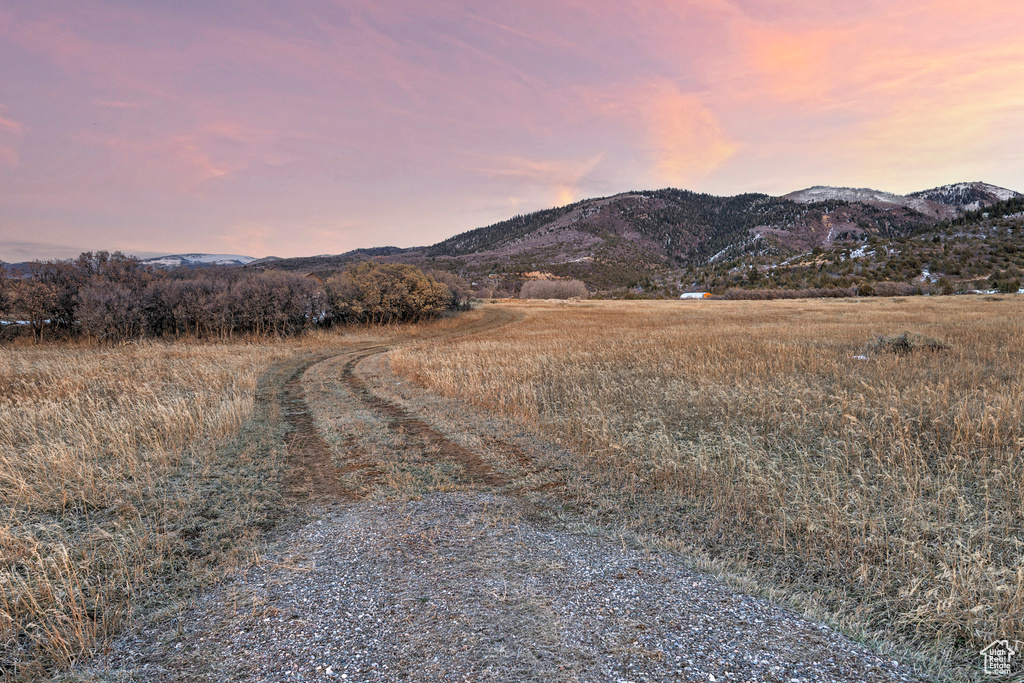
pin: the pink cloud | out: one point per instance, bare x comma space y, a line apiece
10, 129
179, 161
10, 126
8, 156
116, 105
683, 138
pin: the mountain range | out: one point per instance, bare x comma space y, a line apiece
670, 240
198, 260
680, 238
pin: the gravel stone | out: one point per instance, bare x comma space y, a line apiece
468, 586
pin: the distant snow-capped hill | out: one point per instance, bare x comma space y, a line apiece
967, 196
947, 201
179, 260
823, 193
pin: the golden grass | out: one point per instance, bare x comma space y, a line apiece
106, 464
887, 492
130, 476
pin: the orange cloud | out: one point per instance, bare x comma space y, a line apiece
685, 139
794, 66
897, 96
689, 140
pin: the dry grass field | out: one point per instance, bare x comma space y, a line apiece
881, 486
125, 477
133, 475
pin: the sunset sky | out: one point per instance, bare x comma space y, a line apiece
300, 127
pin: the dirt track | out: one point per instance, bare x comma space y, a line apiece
435, 553
315, 476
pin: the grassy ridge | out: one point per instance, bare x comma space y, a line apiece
884, 491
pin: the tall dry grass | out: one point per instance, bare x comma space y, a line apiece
131, 475
886, 492
111, 468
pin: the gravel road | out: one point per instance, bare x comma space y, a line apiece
467, 587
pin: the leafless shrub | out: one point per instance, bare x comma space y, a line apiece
462, 293
110, 311
737, 293
4, 291
384, 293
896, 289
553, 289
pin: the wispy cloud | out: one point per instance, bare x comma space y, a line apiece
10, 130
559, 179
9, 126
116, 105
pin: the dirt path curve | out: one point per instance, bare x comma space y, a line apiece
434, 563
314, 475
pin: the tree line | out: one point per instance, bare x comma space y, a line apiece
114, 297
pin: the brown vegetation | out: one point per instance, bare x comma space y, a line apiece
384, 293
112, 298
883, 489
553, 289
120, 477
132, 475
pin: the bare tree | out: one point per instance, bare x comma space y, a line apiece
110, 311
34, 300
5, 288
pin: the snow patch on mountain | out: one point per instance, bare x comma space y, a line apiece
967, 196
823, 193
946, 201
178, 260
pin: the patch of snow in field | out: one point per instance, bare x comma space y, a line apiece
861, 252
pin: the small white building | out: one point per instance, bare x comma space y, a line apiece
695, 295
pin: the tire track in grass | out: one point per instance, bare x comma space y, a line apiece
313, 476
